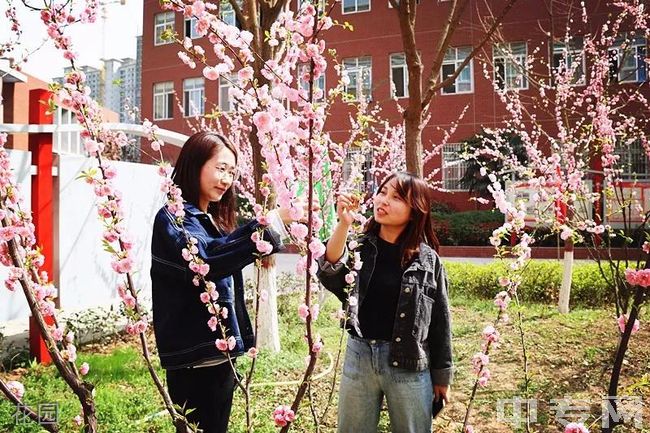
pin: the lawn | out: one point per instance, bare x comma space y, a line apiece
568, 356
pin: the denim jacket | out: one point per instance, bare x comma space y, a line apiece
422, 330
180, 318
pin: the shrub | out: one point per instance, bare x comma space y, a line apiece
466, 228
541, 282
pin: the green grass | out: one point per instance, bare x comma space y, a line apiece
568, 355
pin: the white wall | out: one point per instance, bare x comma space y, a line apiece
13, 304
86, 278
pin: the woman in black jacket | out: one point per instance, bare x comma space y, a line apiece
199, 377
394, 288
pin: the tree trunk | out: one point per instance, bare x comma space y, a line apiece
413, 139
268, 334
567, 273
612, 393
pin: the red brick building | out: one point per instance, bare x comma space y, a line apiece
372, 55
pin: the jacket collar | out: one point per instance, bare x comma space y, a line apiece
192, 210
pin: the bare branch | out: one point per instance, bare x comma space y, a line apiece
433, 87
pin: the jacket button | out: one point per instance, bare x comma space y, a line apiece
398, 339
402, 315
407, 290
395, 363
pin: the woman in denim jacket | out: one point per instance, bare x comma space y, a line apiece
399, 344
199, 377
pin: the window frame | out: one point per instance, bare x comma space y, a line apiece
559, 48
456, 62
194, 34
447, 149
188, 96
226, 87
356, 7
167, 104
637, 43
157, 38
358, 70
405, 75
508, 59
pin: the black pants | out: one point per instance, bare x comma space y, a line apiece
207, 390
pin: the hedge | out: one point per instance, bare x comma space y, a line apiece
541, 282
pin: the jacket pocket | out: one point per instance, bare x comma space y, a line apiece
422, 320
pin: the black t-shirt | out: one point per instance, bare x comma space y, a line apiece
377, 311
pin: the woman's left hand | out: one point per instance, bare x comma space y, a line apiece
442, 391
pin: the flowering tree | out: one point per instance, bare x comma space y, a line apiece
579, 182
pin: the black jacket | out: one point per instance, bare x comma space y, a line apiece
422, 330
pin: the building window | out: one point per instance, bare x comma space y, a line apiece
163, 22
190, 28
193, 94
352, 6
319, 83
510, 65
225, 83
570, 57
227, 13
360, 164
359, 74
453, 167
163, 100
463, 83
627, 60
399, 75
633, 161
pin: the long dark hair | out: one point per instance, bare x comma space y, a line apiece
196, 151
418, 195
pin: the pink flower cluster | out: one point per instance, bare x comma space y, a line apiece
639, 277
283, 415
622, 323
573, 427
16, 388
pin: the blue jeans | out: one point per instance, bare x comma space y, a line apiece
368, 377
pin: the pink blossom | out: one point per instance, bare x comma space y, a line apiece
314, 311
491, 334
84, 368
16, 388
317, 248
245, 75
622, 322
221, 344
646, 247
156, 145
252, 352
264, 247
78, 420
317, 346
205, 297
231, 342
502, 299
299, 231
350, 277
263, 122
122, 266
576, 428
224, 312
212, 323
210, 73
303, 311
484, 377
